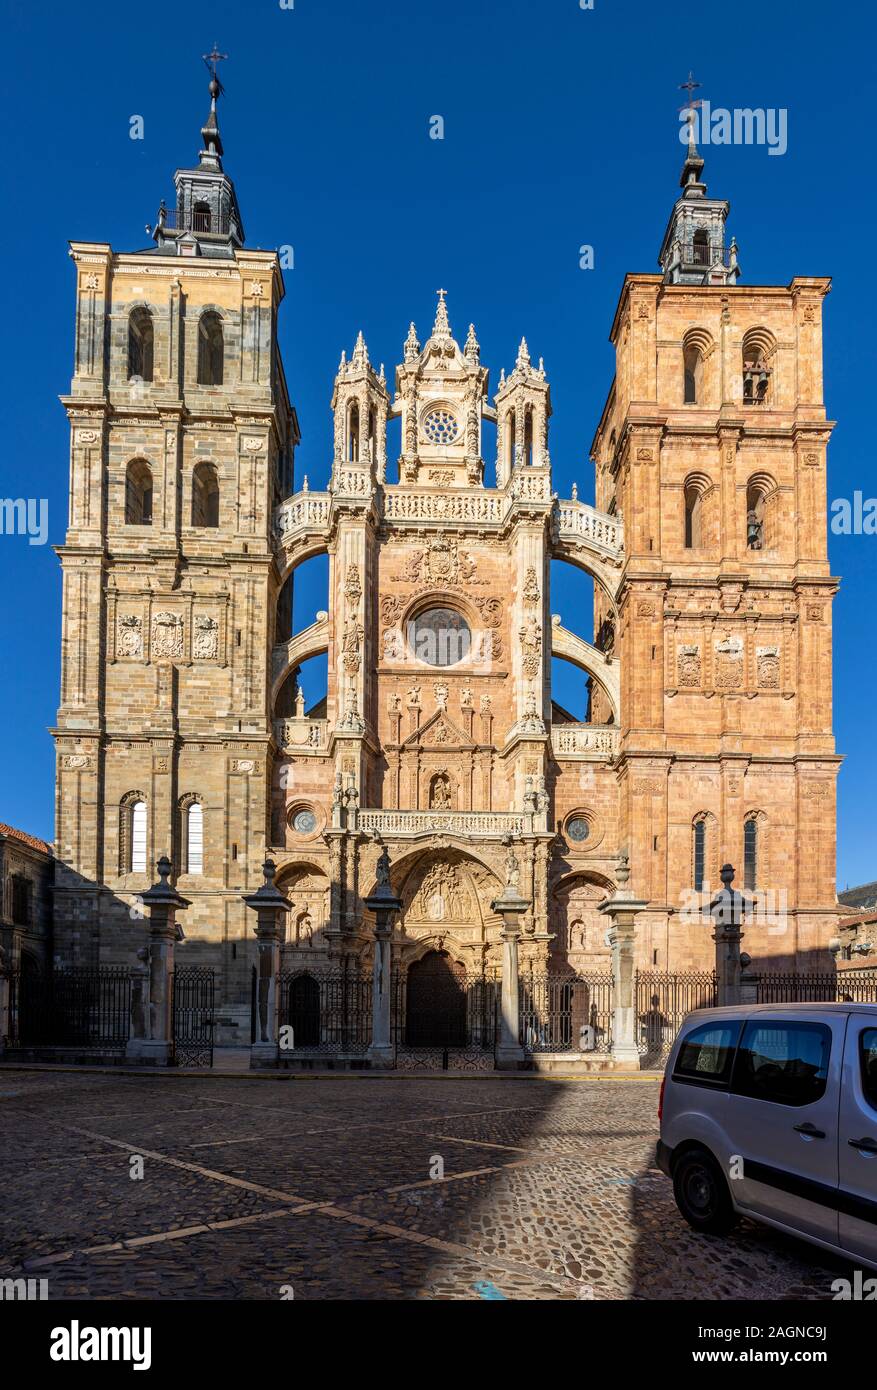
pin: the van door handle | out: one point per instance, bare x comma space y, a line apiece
809, 1130
867, 1145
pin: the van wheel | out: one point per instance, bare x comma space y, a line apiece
702, 1194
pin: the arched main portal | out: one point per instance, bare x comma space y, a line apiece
435, 1008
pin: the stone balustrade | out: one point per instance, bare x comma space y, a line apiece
579, 523
573, 522
590, 740
468, 823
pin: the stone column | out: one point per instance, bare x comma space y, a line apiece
139, 1031
510, 906
386, 907
162, 903
271, 908
621, 909
727, 910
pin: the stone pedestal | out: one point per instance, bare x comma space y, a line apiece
727, 910
162, 903
621, 909
386, 907
510, 906
271, 908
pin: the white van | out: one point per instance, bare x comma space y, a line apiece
770, 1111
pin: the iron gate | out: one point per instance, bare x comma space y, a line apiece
443, 1018
193, 995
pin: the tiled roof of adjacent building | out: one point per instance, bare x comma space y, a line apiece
32, 840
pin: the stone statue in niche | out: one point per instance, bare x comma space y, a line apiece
440, 792
305, 930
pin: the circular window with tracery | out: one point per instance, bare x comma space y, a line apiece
440, 427
578, 829
304, 821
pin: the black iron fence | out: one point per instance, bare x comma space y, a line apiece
566, 1013
663, 1000
327, 1012
828, 986
75, 1008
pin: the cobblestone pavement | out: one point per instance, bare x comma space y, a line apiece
323, 1188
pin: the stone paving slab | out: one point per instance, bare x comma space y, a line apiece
322, 1188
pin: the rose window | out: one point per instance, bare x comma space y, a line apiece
578, 829
440, 427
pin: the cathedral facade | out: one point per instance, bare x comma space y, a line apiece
182, 728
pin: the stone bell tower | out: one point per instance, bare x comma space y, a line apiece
713, 447
182, 438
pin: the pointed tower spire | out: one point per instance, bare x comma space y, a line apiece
211, 155
523, 358
441, 328
360, 352
693, 251
472, 349
206, 220
412, 345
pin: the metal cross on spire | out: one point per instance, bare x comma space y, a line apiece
690, 86
441, 294
211, 59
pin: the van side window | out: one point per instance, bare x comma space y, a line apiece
707, 1053
786, 1063
868, 1045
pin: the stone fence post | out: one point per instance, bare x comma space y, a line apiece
271, 908
510, 906
621, 909
162, 902
386, 907
727, 910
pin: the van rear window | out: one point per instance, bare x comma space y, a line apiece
707, 1052
868, 1044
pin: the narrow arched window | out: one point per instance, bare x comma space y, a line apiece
511, 431
195, 839
693, 365
211, 350
699, 854
693, 517
528, 437
132, 834
141, 337
750, 854
755, 499
138, 493
205, 495
353, 434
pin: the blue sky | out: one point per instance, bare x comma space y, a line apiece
561, 129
